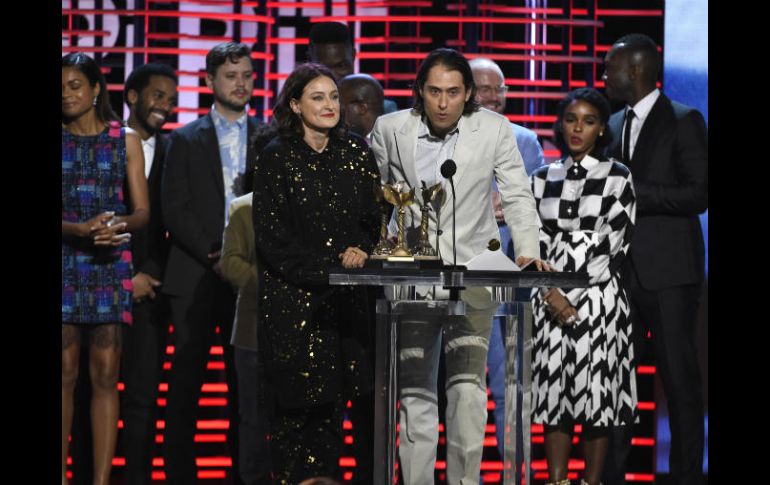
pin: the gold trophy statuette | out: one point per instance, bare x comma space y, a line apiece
384, 246
395, 195
429, 194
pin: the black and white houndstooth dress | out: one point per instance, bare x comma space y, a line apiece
586, 371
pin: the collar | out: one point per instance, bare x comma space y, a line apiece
149, 143
220, 120
644, 106
583, 166
423, 131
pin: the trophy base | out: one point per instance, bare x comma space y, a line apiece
379, 256
411, 263
400, 259
426, 258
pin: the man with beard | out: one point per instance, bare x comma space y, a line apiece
665, 145
150, 92
203, 161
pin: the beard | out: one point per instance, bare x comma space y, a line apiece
230, 105
143, 117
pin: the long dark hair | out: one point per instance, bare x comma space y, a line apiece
90, 69
595, 99
289, 124
452, 61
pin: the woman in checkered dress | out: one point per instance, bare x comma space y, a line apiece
584, 368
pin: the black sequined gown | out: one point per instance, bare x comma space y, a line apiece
314, 339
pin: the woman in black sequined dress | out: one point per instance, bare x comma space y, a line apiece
313, 209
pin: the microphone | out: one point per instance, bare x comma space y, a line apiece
448, 169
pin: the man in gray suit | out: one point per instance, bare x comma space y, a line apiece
410, 146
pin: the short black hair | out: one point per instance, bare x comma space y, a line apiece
369, 89
644, 47
452, 61
330, 33
595, 99
221, 53
140, 77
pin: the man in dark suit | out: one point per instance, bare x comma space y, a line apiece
665, 144
150, 93
203, 161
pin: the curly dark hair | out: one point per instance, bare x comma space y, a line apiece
595, 99
289, 124
140, 77
90, 69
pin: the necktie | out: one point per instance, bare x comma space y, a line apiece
627, 136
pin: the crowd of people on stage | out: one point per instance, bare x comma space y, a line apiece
234, 223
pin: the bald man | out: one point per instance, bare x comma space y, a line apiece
361, 98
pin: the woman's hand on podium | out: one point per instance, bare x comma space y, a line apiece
353, 258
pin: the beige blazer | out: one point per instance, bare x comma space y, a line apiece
239, 268
486, 148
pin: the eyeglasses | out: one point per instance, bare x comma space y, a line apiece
490, 90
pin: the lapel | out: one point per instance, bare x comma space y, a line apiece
251, 125
157, 161
614, 150
207, 137
648, 137
406, 141
466, 150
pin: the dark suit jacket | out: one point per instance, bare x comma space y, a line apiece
149, 245
670, 174
193, 198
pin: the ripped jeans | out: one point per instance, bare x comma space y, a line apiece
465, 343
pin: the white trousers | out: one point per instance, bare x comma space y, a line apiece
466, 340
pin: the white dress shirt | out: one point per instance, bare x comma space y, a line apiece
148, 148
641, 111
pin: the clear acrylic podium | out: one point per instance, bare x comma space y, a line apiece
514, 306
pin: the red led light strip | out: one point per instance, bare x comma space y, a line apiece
173, 13
155, 50
494, 56
452, 20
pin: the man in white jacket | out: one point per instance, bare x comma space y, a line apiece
410, 146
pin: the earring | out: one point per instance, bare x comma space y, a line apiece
601, 133
95, 98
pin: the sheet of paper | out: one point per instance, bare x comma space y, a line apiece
492, 261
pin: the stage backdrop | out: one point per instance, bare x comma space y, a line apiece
545, 48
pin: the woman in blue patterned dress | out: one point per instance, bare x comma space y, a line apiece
99, 159
584, 368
